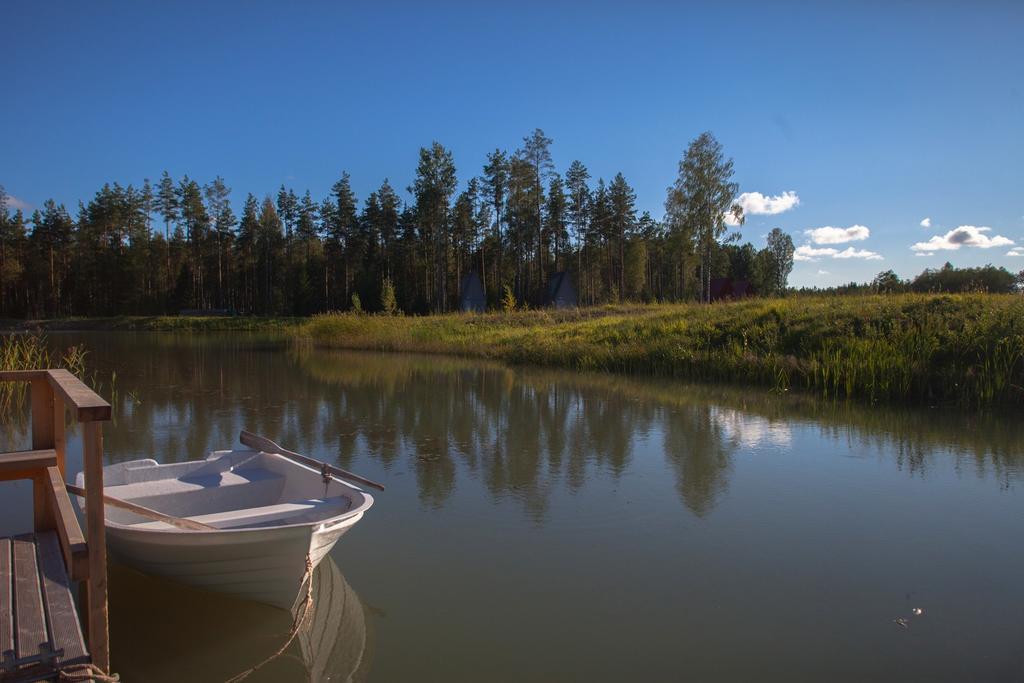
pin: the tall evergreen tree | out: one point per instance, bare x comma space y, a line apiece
537, 153
218, 202
556, 220
622, 220
269, 248
495, 187
195, 220
248, 236
433, 188
341, 235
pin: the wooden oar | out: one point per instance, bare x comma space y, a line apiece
143, 511
262, 443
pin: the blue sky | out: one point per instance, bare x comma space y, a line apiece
874, 115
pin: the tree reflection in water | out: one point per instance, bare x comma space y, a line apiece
524, 433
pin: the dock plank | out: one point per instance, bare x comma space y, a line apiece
6, 605
66, 631
30, 624
40, 632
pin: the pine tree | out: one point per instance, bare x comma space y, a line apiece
342, 232
433, 187
218, 202
537, 153
165, 203
622, 220
248, 239
495, 186
269, 242
555, 220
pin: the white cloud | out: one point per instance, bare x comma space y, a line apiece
850, 252
926, 222
830, 235
964, 236
822, 272
1016, 251
808, 253
14, 203
757, 204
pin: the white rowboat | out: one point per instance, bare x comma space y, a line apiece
268, 513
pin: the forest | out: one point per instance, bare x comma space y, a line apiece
176, 244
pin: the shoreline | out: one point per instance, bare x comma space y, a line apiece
925, 349
153, 323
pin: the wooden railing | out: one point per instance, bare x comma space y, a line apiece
53, 394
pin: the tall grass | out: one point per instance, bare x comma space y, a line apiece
962, 349
30, 351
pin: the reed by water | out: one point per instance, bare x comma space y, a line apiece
965, 349
30, 351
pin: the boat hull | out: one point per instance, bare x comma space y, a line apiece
269, 521
265, 566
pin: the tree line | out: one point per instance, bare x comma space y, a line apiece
177, 244
949, 279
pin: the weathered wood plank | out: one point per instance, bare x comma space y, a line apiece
60, 442
72, 540
25, 462
96, 587
30, 635
42, 512
42, 414
65, 630
6, 604
86, 405
42, 438
21, 375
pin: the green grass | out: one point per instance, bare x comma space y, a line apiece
159, 323
963, 349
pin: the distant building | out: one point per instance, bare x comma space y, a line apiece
472, 299
561, 293
726, 289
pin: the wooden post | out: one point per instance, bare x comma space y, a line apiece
96, 586
42, 520
42, 414
59, 440
42, 438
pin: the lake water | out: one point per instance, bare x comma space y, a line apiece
545, 525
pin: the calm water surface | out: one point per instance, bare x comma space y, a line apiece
542, 525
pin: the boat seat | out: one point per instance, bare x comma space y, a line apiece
292, 512
200, 493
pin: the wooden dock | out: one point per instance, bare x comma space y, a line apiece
41, 634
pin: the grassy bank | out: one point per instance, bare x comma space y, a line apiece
963, 349
157, 323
